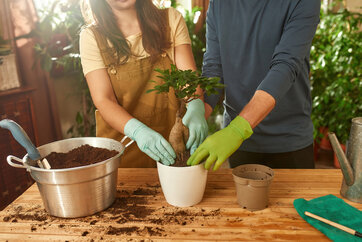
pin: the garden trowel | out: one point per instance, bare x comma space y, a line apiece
20, 135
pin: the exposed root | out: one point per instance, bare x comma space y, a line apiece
179, 135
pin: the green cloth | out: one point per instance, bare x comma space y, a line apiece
334, 209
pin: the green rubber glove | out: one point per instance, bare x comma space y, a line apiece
150, 142
194, 119
219, 146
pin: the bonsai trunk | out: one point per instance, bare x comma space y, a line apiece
179, 135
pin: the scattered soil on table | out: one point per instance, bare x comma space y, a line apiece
125, 230
133, 213
182, 160
143, 191
147, 230
20, 213
81, 156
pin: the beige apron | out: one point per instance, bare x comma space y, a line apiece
130, 82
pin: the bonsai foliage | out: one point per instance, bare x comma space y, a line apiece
336, 73
184, 83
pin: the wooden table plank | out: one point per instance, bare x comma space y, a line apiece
141, 212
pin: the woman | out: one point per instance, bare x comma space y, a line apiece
119, 52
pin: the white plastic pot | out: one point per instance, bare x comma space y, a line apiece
182, 186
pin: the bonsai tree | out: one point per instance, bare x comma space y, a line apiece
184, 83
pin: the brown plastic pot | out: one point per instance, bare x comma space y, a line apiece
252, 185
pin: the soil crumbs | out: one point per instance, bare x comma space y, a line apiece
132, 214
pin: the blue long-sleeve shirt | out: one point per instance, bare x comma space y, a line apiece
264, 45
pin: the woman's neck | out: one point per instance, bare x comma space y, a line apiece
127, 21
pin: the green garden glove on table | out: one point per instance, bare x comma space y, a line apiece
150, 142
334, 209
194, 119
219, 146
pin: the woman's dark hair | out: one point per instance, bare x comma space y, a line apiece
153, 23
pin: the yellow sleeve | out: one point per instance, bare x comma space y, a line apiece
179, 31
90, 55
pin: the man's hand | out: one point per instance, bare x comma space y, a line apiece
150, 142
194, 119
219, 146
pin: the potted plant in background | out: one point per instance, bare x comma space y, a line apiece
183, 185
336, 73
57, 51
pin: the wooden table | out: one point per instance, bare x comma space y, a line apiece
141, 212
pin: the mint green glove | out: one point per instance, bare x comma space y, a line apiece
194, 119
150, 142
219, 146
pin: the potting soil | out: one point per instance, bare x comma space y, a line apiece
182, 161
81, 156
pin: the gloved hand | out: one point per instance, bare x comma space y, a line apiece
194, 119
150, 142
219, 146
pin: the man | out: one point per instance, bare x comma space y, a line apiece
260, 50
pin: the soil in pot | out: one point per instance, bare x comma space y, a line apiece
81, 156
181, 161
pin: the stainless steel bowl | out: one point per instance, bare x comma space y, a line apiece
79, 191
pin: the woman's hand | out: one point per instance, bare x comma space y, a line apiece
194, 119
150, 142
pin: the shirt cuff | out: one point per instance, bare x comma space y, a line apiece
277, 82
212, 100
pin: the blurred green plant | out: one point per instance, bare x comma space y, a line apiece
57, 51
197, 36
198, 41
335, 60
